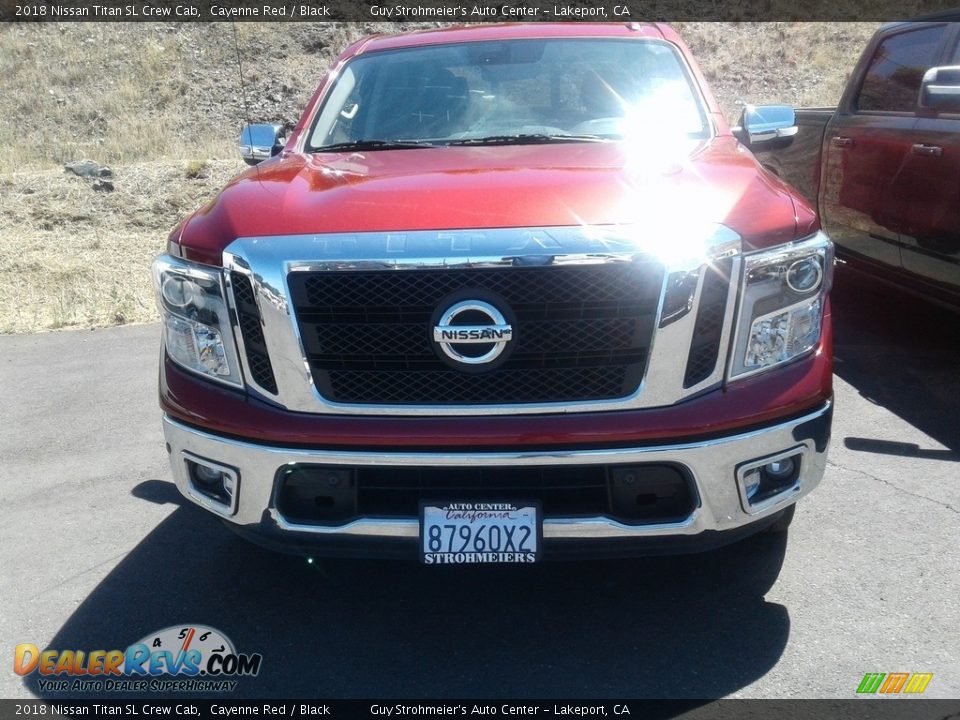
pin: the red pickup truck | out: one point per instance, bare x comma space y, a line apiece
504, 293
884, 166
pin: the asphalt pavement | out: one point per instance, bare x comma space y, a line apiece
97, 550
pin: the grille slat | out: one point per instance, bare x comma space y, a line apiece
580, 333
411, 387
708, 329
406, 338
588, 283
251, 328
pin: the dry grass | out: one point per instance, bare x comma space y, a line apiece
129, 92
163, 106
196, 169
802, 64
74, 257
80, 90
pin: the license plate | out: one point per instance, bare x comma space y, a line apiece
479, 532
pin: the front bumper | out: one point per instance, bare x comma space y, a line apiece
716, 467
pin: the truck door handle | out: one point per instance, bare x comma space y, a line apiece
927, 150
841, 142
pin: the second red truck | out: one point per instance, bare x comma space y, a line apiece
884, 166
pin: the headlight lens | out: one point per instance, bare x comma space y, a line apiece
781, 304
197, 333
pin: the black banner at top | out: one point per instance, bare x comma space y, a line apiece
467, 11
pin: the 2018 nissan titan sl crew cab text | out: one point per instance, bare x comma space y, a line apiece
504, 293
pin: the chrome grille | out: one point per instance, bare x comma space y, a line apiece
583, 332
583, 301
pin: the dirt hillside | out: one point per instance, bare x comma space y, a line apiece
162, 106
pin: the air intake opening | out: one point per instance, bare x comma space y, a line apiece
633, 494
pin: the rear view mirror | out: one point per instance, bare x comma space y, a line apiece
261, 142
940, 89
764, 123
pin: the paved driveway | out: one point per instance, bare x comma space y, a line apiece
97, 550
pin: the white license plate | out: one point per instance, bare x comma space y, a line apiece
479, 532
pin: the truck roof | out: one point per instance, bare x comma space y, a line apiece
510, 31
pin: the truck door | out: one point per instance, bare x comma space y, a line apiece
867, 145
931, 229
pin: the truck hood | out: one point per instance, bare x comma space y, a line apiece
448, 188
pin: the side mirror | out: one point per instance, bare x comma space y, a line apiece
261, 142
940, 89
764, 123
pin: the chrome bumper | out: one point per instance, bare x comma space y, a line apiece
713, 464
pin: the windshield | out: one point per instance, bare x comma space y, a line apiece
562, 89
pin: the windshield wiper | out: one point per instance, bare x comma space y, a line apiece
374, 145
526, 139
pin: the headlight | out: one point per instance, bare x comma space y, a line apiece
197, 333
781, 304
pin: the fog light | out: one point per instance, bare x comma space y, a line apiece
780, 469
207, 475
210, 481
763, 483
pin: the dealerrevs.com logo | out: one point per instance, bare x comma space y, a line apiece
188, 658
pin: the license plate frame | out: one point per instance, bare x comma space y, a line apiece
511, 550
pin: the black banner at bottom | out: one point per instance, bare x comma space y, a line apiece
467, 11
855, 709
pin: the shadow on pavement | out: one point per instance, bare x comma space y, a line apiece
686, 626
899, 352
902, 449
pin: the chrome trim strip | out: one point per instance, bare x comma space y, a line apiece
269, 261
712, 464
552, 527
488, 459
